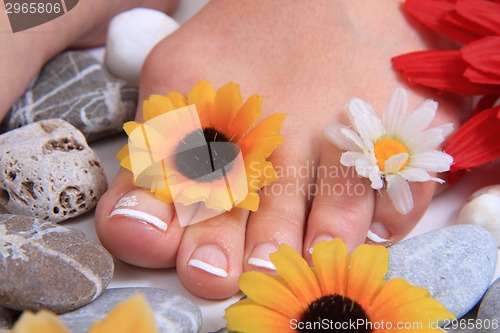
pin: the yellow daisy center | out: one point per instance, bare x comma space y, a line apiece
386, 148
336, 310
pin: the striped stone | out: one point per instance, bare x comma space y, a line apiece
44, 265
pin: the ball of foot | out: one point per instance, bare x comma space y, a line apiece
131, 36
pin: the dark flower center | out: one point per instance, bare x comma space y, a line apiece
334, 313
205, 155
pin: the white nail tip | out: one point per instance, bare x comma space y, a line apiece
136, 214
262, 263
207, 268
376, 238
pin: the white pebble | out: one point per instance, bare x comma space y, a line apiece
483, 209
131, 36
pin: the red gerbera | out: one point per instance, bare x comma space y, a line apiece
472, 70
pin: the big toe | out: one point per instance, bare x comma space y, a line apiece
135, 227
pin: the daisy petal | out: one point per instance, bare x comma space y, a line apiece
399, 192
415, 175
426, 141
375, 178
333, 133
331, 260
353, 136
369, 128
435, 161
418, 120
357, 106
364, 166
395, 111
296, 273
394, 163
350, 158
446, 129
266, 290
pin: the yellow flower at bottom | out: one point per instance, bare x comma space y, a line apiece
337, 292
133, 315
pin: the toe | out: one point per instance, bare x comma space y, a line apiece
210, 255
343, 204
389, 226
135, 227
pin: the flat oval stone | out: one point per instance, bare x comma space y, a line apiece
455, 264
173, 313
74, 86
47, 170
489, 310
45, 265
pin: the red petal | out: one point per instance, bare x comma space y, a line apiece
476, 142
434, 13
441, 70
483, 56
483, 15
486, 102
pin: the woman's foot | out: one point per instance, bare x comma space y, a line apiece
307, 61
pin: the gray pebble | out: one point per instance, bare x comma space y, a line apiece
489, 311
173, 313
75, 87
44, 265
47, 170
455, 264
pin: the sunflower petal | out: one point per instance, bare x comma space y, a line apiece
249, 317
267, 291
246, 117
297, 274
251, 202
43, 321
156, 105
369, 265
203, 95
331, 262
227, 102
177, 99
264, 137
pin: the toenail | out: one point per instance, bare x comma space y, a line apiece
130, 206
211, 259
378, 233
259, 257
318, 239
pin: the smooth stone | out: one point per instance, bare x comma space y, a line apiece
7, 318
455, 264
173, 313
483, 209
75, 87
131, 36
489, 310
48, 171
45, 265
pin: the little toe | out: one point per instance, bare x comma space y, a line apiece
390, 226
135, 227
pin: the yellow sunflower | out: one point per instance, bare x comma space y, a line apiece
339, 294
203, 148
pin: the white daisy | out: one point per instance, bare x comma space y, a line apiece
394, 150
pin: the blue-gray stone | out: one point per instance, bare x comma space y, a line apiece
489, 310
75, 87
173, 313
455, 264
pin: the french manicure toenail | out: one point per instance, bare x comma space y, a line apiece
259, 257
211, 259
128, 206
378, 233
318, 239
